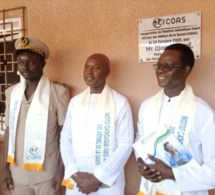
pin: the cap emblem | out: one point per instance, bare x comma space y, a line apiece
24, 41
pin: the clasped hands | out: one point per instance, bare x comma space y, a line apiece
86, 182
156, 172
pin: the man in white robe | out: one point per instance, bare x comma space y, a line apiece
172, 70
94, 161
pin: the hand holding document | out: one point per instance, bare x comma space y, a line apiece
162, 144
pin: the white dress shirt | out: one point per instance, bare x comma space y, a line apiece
112, 170
191, 181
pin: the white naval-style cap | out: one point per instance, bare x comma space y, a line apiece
31, 44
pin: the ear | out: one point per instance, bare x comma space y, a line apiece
108, 71
43, 63
187, 70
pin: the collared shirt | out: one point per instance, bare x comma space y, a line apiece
112, 170
181, 155
59, 99
194, 181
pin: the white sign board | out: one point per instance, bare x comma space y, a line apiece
157, 33
12, 24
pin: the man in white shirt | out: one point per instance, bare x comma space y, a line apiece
97, 135
188, 117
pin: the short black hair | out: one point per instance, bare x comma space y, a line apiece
165, 147
187, 55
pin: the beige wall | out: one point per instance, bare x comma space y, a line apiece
74, 29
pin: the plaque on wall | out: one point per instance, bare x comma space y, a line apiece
155, 34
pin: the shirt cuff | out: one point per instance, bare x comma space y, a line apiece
70, 170
103, 177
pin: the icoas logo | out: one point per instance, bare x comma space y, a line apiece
143, 141
157, 22
34, 150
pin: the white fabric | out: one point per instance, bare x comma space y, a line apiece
112, 170
36, 130
180, 125
201, 146
104, 124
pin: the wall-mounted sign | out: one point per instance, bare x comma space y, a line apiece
157, 33
11, 26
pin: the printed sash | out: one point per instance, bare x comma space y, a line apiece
35, 127
104, 128
180, 126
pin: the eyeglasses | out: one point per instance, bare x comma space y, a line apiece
167, 67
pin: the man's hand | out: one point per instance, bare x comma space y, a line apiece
147, 173
86, 182
57, 181
7, 180
156, 172
77, 179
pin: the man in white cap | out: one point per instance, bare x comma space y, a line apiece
97, 135
35, 113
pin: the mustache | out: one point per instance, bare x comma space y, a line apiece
26, 71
